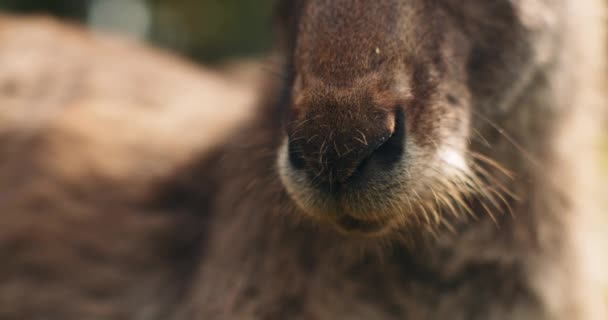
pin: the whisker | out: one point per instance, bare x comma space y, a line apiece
483, 139
464, 205
436, 215
483, 172
509, 138
492, 163
502, 198
489, 212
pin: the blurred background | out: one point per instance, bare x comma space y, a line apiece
207, 31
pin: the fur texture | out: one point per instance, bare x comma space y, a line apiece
499, 103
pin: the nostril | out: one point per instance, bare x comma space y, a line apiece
325, 160
389, 152
295, 157
392, 150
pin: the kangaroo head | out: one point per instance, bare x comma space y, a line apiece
381, 103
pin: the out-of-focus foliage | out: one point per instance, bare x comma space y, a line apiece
74, 9
211, 29
206, 30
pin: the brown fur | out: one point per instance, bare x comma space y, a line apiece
90, 231
87, 124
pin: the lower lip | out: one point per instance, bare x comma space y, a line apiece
350, 224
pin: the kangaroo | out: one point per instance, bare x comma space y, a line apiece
414, 160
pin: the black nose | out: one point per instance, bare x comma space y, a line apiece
336, 156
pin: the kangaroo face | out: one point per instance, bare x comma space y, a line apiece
379, 115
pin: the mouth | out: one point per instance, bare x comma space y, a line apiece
351, 211
351, 225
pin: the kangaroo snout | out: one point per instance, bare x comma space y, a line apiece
341, 142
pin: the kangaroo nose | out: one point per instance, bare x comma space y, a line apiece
332, 155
